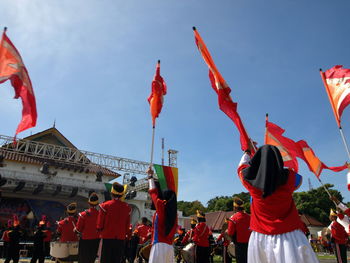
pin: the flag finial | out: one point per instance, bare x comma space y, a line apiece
194, 28
320, 69
5, 29
159, 61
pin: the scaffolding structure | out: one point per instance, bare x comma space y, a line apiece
75, 156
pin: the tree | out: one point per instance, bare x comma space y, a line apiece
225, 203
316, 202
190, 208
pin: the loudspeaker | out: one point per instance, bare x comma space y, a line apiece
19, 187
74, 192
58, 190
38, 189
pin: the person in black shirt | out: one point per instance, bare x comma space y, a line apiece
13, 244
39, 248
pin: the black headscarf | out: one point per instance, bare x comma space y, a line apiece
170, 210
266, 170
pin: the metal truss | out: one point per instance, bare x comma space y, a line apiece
71, 155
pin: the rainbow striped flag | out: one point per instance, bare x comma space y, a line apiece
167, 177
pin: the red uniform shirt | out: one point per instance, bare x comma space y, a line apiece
66, 229
338, 233
188, 237
48, 235
5, 236
225, 241
276, 213
238, 226
114, 219
201, 235
158, 235
142, 231
87, 222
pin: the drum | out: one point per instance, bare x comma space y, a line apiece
73, 248
231, 250
59, 249
145, 251
188, 253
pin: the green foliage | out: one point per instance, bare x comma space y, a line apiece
225, 203
316, 202
190, 208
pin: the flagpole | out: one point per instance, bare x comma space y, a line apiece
335, 113
152, 146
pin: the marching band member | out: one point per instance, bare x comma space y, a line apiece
238, 229
189, 234
48, 235
275, 222
14, 236
164, 223
142, 231
201, 235
66, 226
5, 238
86, 229
340, 238
39, 247
113, 223
178, 243
222, 240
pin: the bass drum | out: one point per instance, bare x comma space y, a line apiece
188, 253
59, 249
231, 250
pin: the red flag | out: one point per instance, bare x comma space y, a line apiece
337, 84
158, 91
13, 69
223, 91
288, 148
312, 161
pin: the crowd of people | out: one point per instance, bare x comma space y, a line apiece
272, 233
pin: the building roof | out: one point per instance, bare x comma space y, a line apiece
310, 221
53, 136
216, 219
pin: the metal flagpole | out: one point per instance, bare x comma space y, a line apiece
152, 147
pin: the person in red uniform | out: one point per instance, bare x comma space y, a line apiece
86, 229
238, 229
14, 236
66, 226
201, 235
142, 231
48, 235
164, 222
225, 242
5, 238
275, 222
189, 234
339, 237
113, 224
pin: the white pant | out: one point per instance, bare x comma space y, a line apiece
161, 253
291, 247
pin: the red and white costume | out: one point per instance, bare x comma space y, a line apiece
276, 236
66, 229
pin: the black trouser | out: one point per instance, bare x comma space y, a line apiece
47, 249
241, 252
202, 254
88, 249
340, 252
112, 250
225, 256
12, 253
38, 255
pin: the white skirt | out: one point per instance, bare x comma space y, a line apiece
291, 247
161, 253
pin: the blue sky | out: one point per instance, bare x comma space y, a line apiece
92, 63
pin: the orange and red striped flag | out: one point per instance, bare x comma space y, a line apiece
337, 83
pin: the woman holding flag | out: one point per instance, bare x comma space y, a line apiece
275, 223
164, 222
